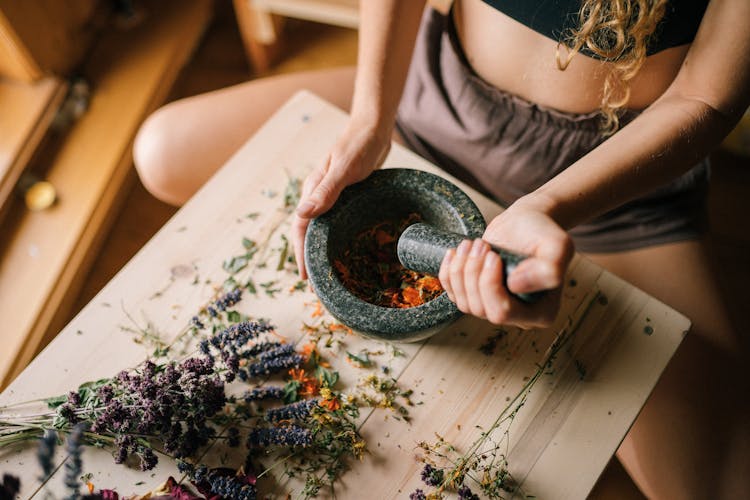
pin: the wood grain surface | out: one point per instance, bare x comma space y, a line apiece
561, 439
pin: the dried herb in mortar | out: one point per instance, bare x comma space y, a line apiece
371, 270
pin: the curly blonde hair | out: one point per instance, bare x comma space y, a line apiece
616, 31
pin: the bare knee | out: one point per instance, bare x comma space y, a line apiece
155, 152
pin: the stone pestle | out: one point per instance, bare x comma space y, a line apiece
421, 247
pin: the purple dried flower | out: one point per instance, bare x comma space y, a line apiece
46, 452
74, 398
293, 436
266, 392
185, 467
149, 369
196, 321
205, 347
198, 366
418, 495
148, 458
238, 335
125, 444
261, 347
106, 393
276, 352
73, 464
68, 412
274, 365
200, 474
299, 411
10, 487
233, 437
231, 487
465, 493
233, 363
229, 299
432, 476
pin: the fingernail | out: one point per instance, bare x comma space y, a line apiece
463, 248
491, 260
305, 207
476, 248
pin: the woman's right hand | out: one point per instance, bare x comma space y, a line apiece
361, 149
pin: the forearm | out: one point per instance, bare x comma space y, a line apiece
387, 33
663, 142
703, 103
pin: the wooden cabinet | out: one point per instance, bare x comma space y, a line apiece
40, 37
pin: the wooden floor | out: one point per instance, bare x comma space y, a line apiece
220, 61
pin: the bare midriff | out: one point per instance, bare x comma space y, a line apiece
518, 60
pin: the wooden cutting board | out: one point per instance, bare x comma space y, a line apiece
561, 439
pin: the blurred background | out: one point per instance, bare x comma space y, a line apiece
77, 78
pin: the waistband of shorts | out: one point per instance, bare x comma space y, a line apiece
520, 107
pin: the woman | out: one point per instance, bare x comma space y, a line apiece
509, 95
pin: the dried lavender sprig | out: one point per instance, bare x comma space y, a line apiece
292, 436
271, 366
231, 487
229, 299
221, 304
73, 464
261, 347
237, 336
261, 393
276, 352
299, 411
46, 452
219, 484
10, 487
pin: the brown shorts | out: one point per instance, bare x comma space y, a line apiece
507, 147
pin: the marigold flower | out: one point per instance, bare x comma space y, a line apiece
332, 404
308, 384
308, 350
411, 297
318, 312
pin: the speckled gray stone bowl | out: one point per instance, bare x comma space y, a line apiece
389, 194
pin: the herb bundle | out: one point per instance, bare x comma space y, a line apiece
177, 408
370, 269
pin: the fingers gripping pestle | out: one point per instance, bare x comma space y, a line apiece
421, 247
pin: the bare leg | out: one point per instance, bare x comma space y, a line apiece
182, 144
692, 439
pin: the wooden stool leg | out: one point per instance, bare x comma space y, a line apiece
260, 32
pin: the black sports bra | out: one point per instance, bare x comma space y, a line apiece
553, 18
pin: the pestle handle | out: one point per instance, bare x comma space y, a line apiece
422, 247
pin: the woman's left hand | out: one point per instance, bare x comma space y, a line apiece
472, 275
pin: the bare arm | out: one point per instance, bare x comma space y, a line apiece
706, 99
386, 40
388, 29
703, 104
